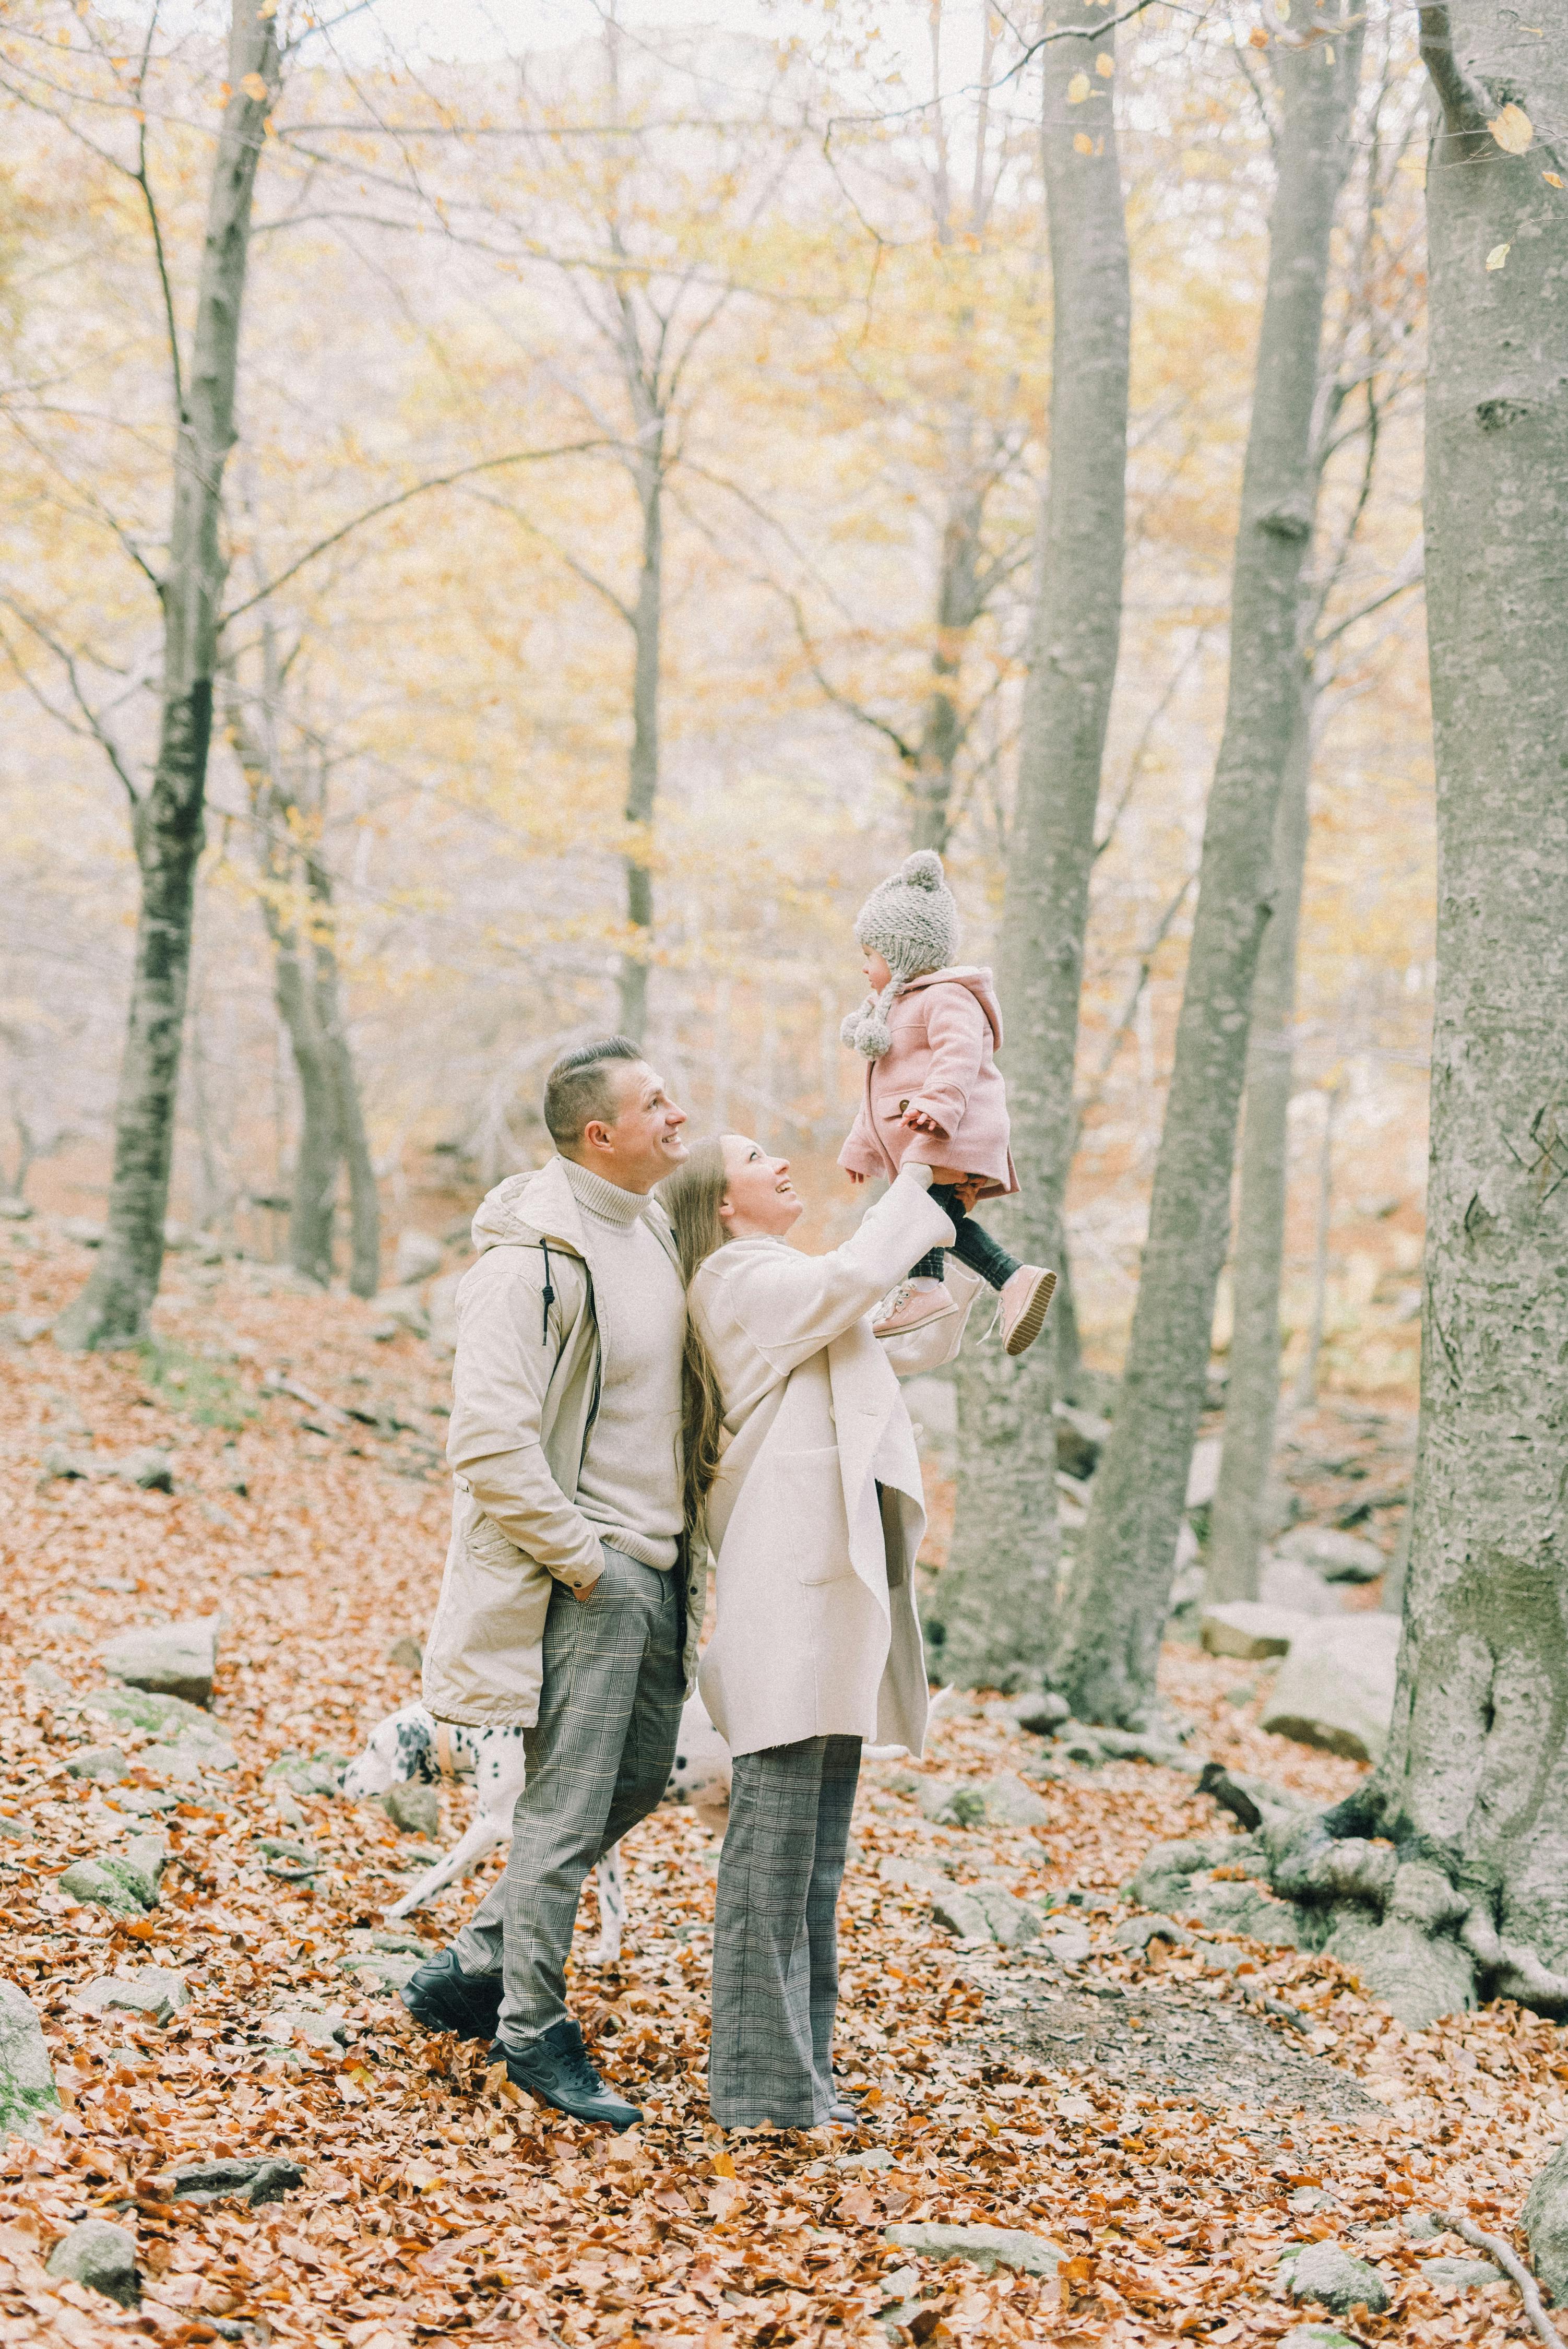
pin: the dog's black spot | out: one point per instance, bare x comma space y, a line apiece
414, 1750
680, 1760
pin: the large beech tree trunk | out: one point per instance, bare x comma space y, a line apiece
643, 771
996, 1602
167, 825
1474, 1783
1120, 1589
1237, 1522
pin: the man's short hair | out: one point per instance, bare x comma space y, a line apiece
581, 1087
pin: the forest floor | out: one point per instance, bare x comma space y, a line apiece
1140, 2112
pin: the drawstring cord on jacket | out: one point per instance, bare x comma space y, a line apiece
548, 1292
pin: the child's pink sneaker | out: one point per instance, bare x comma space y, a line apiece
909, 1307
1026, 1300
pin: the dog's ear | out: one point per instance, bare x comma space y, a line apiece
413, 1749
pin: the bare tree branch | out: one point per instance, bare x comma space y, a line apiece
1465, 105
94, 729
388, 505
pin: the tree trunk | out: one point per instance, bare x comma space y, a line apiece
314, 1203
364, 1197
957, 608
1236, 1525
643, 776
353, 1142
167, 827
1305, 1393
1475, 1779
1120, 1589
997, 1601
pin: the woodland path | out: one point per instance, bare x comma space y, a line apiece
1136, 2109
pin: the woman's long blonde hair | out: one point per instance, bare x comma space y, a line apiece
691, 1198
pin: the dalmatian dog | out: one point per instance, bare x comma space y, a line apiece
412, 1744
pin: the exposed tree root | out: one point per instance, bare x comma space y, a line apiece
1394, 1916
1515, 1973
1513, 2267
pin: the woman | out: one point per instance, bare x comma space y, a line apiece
798, 1436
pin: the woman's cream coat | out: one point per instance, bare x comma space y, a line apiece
817, 1631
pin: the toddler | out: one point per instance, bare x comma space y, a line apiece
929, 1031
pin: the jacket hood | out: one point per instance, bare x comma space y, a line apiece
526, 1207
979, 982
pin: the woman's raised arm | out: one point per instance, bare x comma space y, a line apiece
790, 1305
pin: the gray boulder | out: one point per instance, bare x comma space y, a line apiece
401, 1309
911, 1875
1418, 1974
1012, 1921
1010, 1803
108, 1884
1459, 2275
155, 1991
1069, 1944
101, 1762
1335, 1688
125, 1881
1042, 1715
319, 2026
1336, 1557
1246, 1628
1168, 1868
100, 2257
168, 1717
987, 2248
1328, 2272
264, 2181
1285, 1582
168, 1659
414, 1809
961, 1913
383, 1969
418, 1258
322, 1774
1245, 1908
406, 1652
27, 2089
1136, 1932
1546, 2223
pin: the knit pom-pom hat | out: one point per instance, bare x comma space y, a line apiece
912, 921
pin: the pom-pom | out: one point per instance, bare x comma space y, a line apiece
849, 1028
876, 1036
923, 870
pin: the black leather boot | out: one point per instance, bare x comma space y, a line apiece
442, 1997
556, 2068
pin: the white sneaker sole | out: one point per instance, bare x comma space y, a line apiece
1031, 1321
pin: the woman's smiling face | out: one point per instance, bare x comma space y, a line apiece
760, 1200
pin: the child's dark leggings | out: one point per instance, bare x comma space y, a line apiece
974, 1245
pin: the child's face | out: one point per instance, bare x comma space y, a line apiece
876, 970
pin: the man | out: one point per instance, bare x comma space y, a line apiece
570, 1608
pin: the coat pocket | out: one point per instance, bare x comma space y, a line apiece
806, 1495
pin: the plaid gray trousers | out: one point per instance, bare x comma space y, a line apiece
598, 1759
774, 1936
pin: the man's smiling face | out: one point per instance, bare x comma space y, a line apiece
644, 1141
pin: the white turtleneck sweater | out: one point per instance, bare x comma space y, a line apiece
630, 1487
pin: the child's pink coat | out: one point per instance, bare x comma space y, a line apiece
946, 1027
